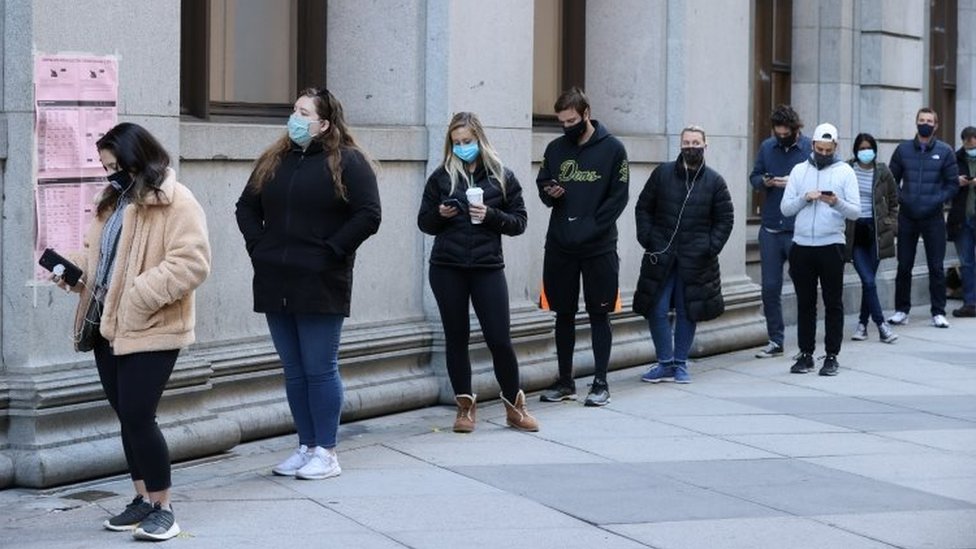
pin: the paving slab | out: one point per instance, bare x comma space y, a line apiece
914, 530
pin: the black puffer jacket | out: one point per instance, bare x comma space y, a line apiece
957, 212
703, 229
460, 243
302, 238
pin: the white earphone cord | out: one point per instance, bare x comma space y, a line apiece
653, 256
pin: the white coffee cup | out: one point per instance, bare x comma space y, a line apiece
476, 196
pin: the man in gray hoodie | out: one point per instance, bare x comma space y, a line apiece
822, 193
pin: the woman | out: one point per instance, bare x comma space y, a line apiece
684, 217
310, 202
466, 264
872, 237
146, 253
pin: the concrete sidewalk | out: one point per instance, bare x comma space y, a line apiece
747, 456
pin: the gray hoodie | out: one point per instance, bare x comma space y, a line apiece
817, 223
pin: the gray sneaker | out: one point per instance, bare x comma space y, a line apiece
160, 525
559, 391
130, 517
770, 350
860, 333
887, 334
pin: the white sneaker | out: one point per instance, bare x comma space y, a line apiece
323, 464
860, 333
900, 318
296, 461
939, 321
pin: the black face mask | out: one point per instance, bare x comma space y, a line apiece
786, 141
120, 180
822, 160
693, 156
575, 131
925, 130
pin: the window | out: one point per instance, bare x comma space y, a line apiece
249, 57
773, 61
942, 62
559, 50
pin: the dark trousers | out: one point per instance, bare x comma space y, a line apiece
808, 266
487, 291
134, 384
866, 262
774, 251
933, 232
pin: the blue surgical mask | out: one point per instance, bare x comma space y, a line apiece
971, 153
298, 130
865, 156
467, 152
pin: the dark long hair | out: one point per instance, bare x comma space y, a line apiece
861, 138
138, 153
336, 138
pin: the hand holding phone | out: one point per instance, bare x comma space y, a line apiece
60, 266
827, 193
451, 203
553, 188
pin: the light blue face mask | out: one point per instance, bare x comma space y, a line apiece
865, 156
298, 130
971, 153
467, 152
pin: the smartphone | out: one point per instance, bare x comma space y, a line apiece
970, 178
60, 266
827, 193
452, 203
550, 184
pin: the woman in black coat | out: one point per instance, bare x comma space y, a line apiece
684, 217
468, 203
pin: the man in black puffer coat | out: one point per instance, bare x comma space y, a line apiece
684, 217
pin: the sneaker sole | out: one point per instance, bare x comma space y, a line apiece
125, 528
592, 404
855, 338
173, 531
544, 398
683, 381
330, 474
803, 371
281, 473
828, 374
768, 355
658, 380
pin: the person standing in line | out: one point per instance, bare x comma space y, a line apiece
872, 237
961, 225
684, 218
584, 179
822, 193
469, 202
777, 155
309, 204
927, 171
146, 252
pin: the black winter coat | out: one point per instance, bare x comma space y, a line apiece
302, 237
460, 243
957, 212
699, 236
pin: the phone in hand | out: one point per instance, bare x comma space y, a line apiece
452, 203
970, 178
54, 262
827, 193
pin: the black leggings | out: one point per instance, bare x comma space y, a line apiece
133, 385
602, 339
487, 290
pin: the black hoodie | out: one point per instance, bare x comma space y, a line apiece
595, 175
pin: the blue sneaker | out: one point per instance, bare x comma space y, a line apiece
681, 373
659, 372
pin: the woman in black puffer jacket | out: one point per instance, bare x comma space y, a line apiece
684, 217
466, 263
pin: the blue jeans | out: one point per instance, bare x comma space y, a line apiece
774, 252
671, 345
966, 250
933, 233
308, 345
865, 257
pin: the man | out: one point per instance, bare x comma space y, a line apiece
927, 171
823, 194
961, 225
684, 218
583, 178
777, 155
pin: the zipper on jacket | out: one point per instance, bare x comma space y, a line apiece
291, 187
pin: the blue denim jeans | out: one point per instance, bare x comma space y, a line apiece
965, 243
774, 252
671, 345
866, 263
308, 345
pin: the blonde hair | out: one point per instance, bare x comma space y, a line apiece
693, 128
487, 154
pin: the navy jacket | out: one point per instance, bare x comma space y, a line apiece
927, 177
957, 212
777, 162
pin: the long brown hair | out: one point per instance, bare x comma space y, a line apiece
336, 138
140, 154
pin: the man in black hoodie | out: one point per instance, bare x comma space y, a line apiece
583, 178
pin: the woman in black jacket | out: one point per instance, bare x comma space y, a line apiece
466, 263
308, 205
684, 217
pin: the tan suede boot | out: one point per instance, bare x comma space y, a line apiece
517, 416
464, 423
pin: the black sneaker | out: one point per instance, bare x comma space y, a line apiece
559, 391
160, 525
599, 394
803, 364
830, 366
130, 517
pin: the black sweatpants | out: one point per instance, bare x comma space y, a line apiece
134, 384
487, 290
808, 265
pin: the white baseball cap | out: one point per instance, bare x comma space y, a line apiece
825, 132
